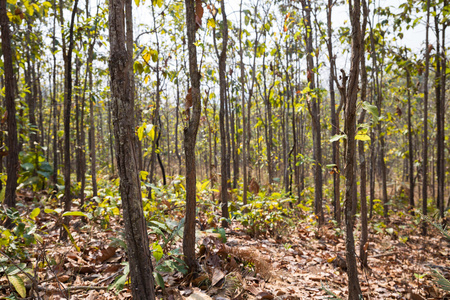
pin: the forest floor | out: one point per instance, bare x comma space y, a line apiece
300, 263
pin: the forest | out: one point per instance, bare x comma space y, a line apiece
207, 149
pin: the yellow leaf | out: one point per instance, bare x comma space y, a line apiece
146, 79
362, 137
146, 56
211, 23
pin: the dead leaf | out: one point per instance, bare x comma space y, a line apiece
106, 254
198, 13
218, 275
264, 295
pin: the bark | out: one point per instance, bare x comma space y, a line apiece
442, 116
334, 120
354, 289
54, 105
362, 158
244, 120
224, 141
314, 112
440, 101
410, 145
425, 123
12, 159
121, 70
67, 55
190, 136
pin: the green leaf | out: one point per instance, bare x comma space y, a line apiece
373, 110
2, 195
35, 213
50, 211
159, 280
157, 251
74, 213
18, 284
74, 243
441, 280
29, 167
119, 283
337, 137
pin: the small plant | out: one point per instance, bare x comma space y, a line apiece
266, 214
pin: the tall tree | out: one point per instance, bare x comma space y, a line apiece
67, 55
121, 70
224, 142
354, 289
334, 118
12, 159
194, 11
425, 120
315, 116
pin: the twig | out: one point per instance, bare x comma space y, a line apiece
383, 254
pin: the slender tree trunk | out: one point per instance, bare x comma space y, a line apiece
362, 159
442, 116
67, 109
314, 111
354, 289
121, 70
334, 120
440, 161
410, 145
12, 159
54, 105
425, 122
190, 136
244, 120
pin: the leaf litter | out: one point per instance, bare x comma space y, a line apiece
302, 263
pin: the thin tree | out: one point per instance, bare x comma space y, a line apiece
354, 289
224, 142
67, 55
425, 121
12, 159
194, 11
121, 70
314, 112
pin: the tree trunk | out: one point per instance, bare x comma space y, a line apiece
190, 136
354, 289
425, 123
244, 128
12, 159
67, 55
362, 158
334, 121
314, 111
121, 70
224, 140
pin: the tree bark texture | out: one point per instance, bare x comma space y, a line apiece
121, 70
354, 289
190, 137
12, 160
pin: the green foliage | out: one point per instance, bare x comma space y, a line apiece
266, 213
35, 170
23, 233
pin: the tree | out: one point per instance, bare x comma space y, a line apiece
315, 116
67, 55
354, 289
224, 143
121, 72
12, 161
425, 120
194, 11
